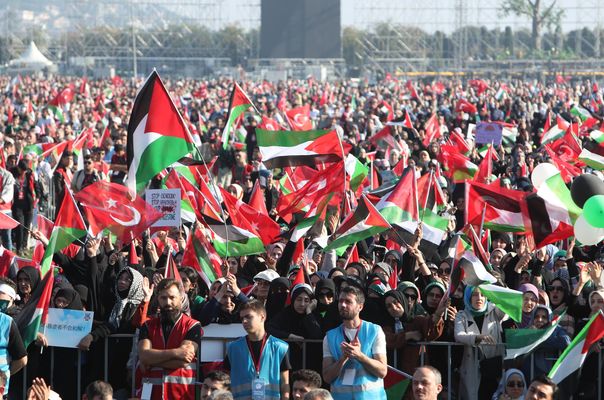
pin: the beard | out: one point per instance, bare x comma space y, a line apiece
346, 315
169, 314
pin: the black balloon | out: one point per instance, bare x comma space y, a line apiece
585, 186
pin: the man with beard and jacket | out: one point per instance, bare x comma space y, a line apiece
168, 346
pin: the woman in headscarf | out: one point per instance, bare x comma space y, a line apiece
192, 285
530, 299
28, 279
549, 350
412, 294
512, 386
478, 326
325, 293
558, 292
297, 322
277, 296
65, 359
589, 377
403, 328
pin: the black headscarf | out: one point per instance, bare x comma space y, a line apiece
73, 298
359, 268
33, 274
400, 297
276, 299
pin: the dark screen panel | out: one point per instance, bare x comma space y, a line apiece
300, 29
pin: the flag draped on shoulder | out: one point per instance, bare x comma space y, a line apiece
157, 134
574, 355
35, 312
286, 148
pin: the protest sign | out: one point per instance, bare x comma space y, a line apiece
167, 202
487, 132
65, 328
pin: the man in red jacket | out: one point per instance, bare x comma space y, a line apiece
168, 346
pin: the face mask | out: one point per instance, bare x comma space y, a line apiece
3, 305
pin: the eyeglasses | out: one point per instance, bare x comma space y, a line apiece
517, 384
444, 271
88, 162
410, 296
556, 288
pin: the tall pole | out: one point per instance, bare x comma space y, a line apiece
134, 68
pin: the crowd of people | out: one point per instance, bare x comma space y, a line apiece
381, 309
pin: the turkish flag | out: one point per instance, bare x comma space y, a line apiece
465, 106
299, 118
108, 205
269, 124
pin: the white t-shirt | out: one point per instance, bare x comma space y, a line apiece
379, 345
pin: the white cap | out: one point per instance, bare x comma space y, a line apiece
267, 275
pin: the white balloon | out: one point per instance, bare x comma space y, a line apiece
587, 234
542, 172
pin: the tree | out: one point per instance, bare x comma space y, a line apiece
540, 14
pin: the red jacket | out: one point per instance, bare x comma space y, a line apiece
177, 383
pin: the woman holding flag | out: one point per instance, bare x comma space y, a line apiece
478, 326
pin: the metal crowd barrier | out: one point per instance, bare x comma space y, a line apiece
304, 343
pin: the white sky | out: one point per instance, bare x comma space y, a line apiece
430, 15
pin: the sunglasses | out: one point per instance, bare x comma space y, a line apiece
517, 384
88, 162
444, 271
410, 296
555, 289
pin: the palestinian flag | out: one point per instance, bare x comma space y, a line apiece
287, 148
315, 214
238, 237
592, 154
385, 139
238, 105
551, 212
504, 209
69, 226
507, 300
567, 170
556, 131
574, 355
365, 222
396, 383
405, 121
268, 230
521, 342
356, 171
458, 167
187, 208
201, 256
475, 272
157, 134
35, 312
580, 113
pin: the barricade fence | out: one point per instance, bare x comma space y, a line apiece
132, 363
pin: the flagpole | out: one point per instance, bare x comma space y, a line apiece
427, 194
343, 167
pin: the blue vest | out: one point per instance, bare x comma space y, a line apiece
5, 323
365, 385
243, 371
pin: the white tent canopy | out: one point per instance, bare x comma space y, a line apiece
32, 58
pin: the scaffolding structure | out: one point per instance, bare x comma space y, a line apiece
133, 36
437, 34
